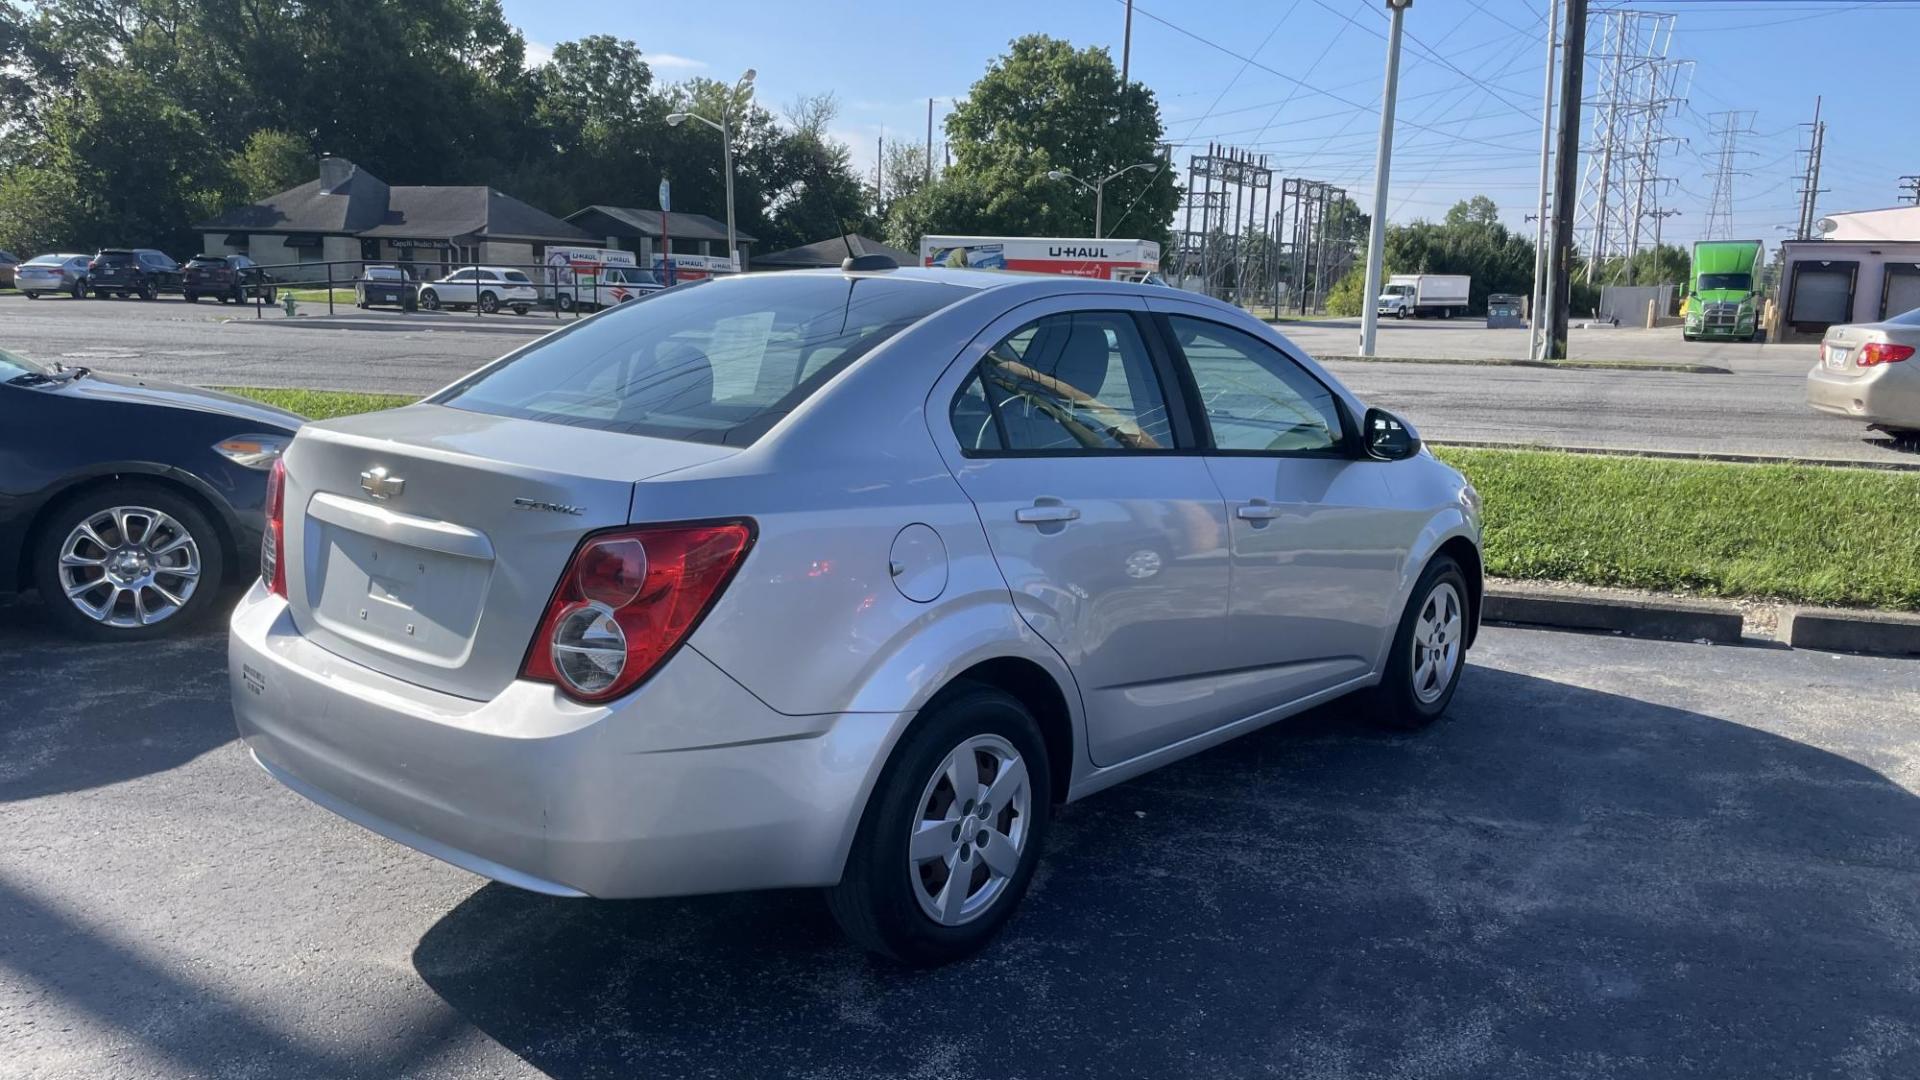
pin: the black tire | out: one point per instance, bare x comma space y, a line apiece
520, 309
489, 303
31, 295
1397, 703
429, 299
1400, 313
875, 901
67, 516
191, 298
565, 302
79, 290
148, 292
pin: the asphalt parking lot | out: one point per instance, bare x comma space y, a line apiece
1758, 409
1614, 858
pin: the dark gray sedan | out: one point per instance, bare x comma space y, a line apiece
127, 502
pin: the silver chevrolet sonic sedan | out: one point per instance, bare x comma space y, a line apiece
838, 579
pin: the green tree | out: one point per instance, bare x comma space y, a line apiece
271, 162
1046, 106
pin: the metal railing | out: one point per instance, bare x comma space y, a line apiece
266, 283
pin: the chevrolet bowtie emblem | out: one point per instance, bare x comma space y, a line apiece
378, 484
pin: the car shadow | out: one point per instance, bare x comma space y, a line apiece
1556, 881
76, 715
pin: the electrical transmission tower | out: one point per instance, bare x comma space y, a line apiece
1639, 87
1233, 191
1810, 189
1911, 186
1728, 128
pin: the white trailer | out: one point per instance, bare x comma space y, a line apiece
1420, 295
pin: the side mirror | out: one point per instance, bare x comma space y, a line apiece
1386, 437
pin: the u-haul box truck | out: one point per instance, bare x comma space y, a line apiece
1115, 260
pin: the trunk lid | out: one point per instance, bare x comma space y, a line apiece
425, 542
1840, 349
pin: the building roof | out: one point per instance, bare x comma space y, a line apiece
829, 253
363, 205
1892, 223
440, 213
634, 222
355, 205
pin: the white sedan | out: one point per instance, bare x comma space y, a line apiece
487, 287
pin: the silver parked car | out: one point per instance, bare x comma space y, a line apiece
56, 273
1868, 372
838, 579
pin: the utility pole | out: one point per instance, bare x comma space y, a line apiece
1126, 48
1382, 163
929, 142
1571, 74
1911, 185
1659, 216
1810, 180
1541, 297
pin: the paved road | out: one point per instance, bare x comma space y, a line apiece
1761, 409
1614, 859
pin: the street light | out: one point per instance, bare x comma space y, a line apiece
1098, 187
1383, 159
726, 147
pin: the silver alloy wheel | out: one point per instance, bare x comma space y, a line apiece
970, 829
1436, 643
129, 566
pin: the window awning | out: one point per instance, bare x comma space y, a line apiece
303, 240
237, 239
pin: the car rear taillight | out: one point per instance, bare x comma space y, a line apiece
273, 538
1881, 352
626, 601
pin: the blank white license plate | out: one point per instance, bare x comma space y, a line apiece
1837, 358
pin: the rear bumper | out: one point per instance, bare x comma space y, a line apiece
39, 282
1886, 395
690, 785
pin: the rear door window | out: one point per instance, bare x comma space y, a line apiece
714, 361
1077, 382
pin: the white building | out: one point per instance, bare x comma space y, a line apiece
1865, 267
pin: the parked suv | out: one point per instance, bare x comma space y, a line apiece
123, 272
232, 279
488, 287
838, 579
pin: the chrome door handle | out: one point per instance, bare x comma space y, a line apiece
1040, 515
1257, 510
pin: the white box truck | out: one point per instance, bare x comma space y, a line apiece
1420, 295
1114, 260
587, 277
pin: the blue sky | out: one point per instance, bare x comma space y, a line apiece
1478, 102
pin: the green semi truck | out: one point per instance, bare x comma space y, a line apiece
1724, 300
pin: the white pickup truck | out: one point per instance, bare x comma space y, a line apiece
1420, 295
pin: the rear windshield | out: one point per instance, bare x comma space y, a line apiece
208, 260
383, 273
1910, 318
115, 258
1736, 282
46, 260
715, 362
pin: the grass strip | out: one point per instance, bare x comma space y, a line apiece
321, 404
1806, 533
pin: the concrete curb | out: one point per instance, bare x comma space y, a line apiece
1651, 617
1495, 361
1881, 633
1683, 455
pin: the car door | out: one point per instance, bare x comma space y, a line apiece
1318, 545
1109, 531
461, 287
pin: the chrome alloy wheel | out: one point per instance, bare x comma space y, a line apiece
1436, 643
129, 566
970, 830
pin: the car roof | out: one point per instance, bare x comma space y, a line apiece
1032, 285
